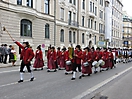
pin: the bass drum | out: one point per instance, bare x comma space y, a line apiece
95, 64
68, 62
85, 64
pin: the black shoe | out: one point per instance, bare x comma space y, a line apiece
20, 81
95, 72
32, 79
48, 70
73, 78
88, 74
55, 70
66, 73
35, 70
83, 75
41, 68
107, 69
80, 77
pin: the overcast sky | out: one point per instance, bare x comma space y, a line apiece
127, 6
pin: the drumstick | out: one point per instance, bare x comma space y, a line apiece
4, 29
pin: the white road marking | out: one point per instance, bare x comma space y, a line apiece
8, 71
100, 84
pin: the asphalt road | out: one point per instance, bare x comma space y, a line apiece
59, 86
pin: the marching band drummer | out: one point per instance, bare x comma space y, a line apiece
77, 62
98, 55
69, 67
115, 55
48, 55
110, 59
86, 57
93, 54
105, 58
52, 60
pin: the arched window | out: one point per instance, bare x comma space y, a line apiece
83, 38
26, 28
62, 35
47, 32
47, 6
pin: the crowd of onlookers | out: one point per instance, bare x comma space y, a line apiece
6, 52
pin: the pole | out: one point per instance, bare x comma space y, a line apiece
78, 22
54, 22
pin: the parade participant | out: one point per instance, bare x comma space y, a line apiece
26, 56
52, 60
39, 62
105, 58
62, 59
110, 58
93, 54
86, 57
69, 57
115, 55
13, 56
98, 55
125, 55
77, 62
58, 54
48, 55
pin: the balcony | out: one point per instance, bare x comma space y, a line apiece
73, 23
91, 14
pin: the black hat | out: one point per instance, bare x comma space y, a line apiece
78, 46
86, 48
5, 44
27, 44
58, 48
97, 48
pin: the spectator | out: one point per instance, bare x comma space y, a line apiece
13, 57
5, 54
9, 51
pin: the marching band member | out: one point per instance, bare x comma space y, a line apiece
52, 60
125, 54
115, 55
93, 54
26, 56
105, 58
48, 55
77, 62
110, 59
62, 59
98, 55
58, 54
39, 62
69, 57
86, 57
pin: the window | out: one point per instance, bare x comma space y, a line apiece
70, 37
74, 37
83, 4
95, 11
95, 25
70, 1
74, 2
88, 23
47, 6
93, 7
82, 20
90, 6
69, 17
101, 14
95, 40
62, 35
19, 2
74, 16
26, 28
62, 13
91, 24
47, 32
30, 3
101, 2
83, 38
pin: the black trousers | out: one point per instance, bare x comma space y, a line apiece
5, 58
27, 65
2, 57
75, 66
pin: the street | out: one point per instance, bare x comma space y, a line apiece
114, 84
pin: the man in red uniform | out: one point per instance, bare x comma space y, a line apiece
26, 56
58, 54
77, 62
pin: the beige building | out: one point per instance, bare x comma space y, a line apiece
127, 31
117, 23
61, 22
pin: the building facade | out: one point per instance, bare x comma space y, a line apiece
117, 23
62, 22
127, 31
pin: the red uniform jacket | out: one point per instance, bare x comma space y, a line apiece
88, 58
98, 55
93, 55
26, 54
48, 54
105, 55
110, 54
58, 54
78, 56
40, 54
116, 53
52, 54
